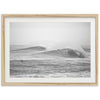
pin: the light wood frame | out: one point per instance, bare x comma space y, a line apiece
49, 15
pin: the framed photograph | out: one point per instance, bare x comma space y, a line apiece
50, 49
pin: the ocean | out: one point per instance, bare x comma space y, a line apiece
36, 63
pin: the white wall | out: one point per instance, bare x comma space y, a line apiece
49, 92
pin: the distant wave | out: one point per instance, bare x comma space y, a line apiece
86, 49
38, 50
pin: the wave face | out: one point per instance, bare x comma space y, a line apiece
69, 53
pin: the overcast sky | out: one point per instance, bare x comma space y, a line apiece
50, 34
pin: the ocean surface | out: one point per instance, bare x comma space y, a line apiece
35, 63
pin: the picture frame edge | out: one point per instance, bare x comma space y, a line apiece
3, 49
49, 15
96, 49
3, 16
48, 84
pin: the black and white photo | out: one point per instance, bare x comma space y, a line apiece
60, 49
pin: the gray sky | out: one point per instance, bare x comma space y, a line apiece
50, 34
